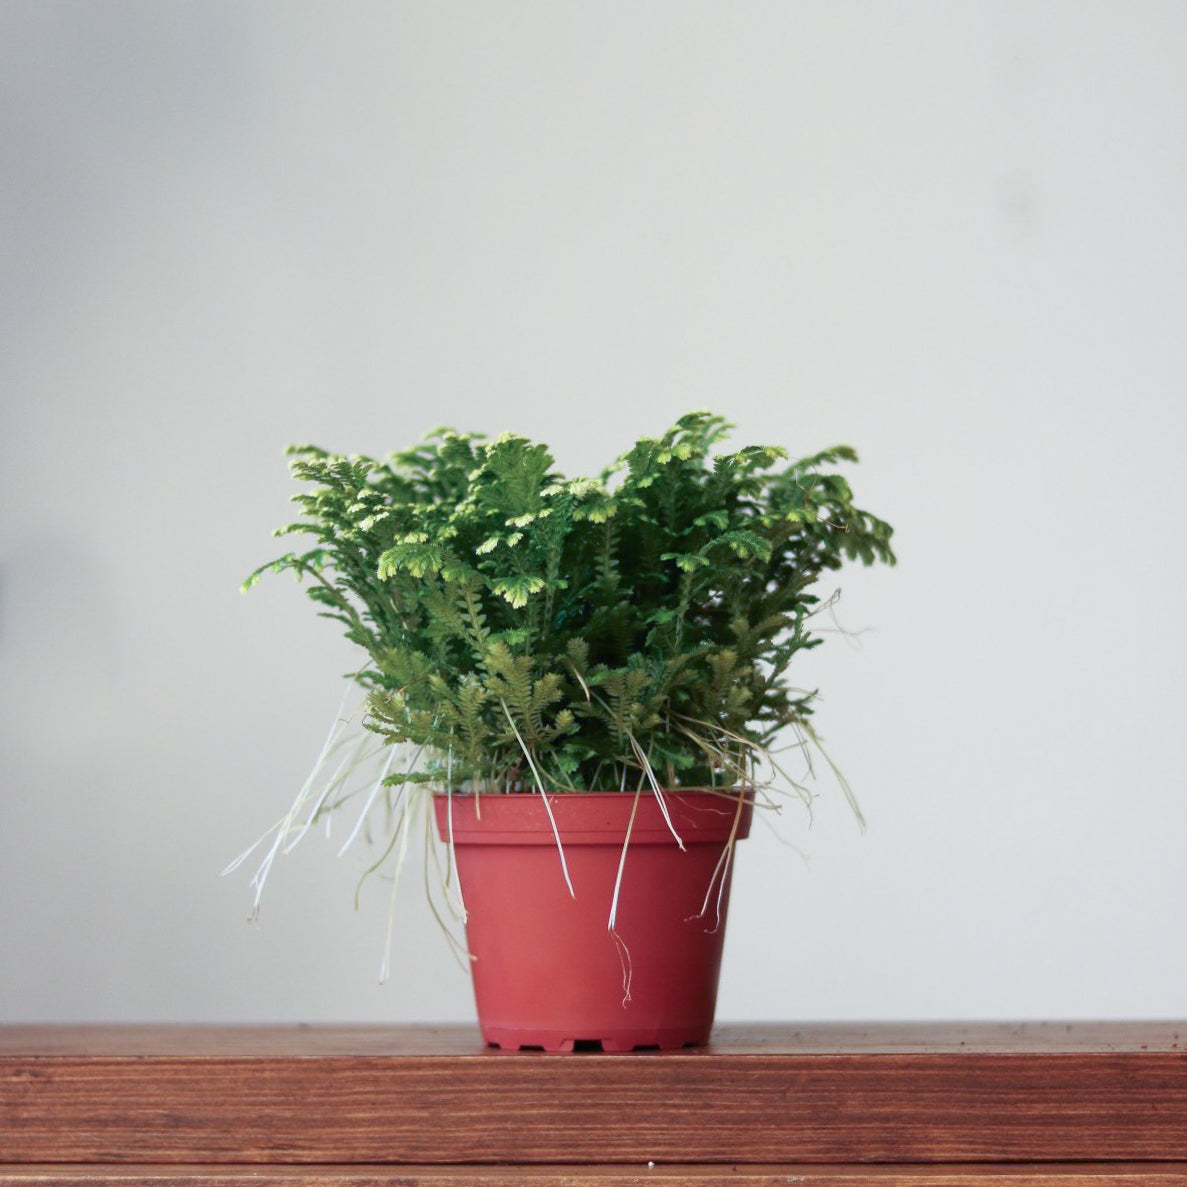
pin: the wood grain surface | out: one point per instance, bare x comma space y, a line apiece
822, 1038
433, 1096
1012, 1175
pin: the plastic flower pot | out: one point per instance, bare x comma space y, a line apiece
548, 971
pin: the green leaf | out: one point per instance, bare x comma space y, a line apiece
416, 559
688, 561
518, 589
718, 519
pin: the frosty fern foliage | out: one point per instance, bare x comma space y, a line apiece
527, 631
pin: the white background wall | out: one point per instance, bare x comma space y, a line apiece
949, 233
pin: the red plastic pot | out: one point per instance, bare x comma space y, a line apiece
548, 972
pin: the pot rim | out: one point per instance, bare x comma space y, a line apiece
695, 815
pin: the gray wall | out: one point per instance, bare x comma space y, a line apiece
949, 233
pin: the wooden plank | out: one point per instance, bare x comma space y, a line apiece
759, 1095
1012, 1175
135, 1040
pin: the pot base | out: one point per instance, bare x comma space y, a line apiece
514, 1038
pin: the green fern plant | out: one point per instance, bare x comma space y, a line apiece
522, 630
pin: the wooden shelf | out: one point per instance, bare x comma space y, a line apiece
832, 1106
1010, 1175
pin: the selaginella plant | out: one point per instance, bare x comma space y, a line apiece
526, 631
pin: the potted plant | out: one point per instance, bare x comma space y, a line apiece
588, 676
